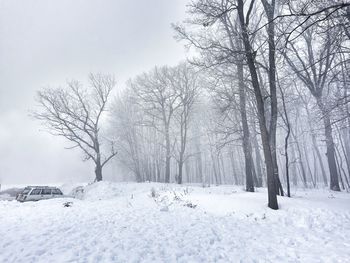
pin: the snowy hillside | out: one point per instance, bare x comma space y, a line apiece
149, 222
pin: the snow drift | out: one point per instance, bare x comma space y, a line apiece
150, 222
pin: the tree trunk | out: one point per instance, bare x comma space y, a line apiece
286, 140
221, 160
272, 195
287, 162
332, 165
300, 157
339, 166
214, 168
343, 137
180, 166
246, 136
294, 167
158, 170
234, 172
199, 173
219, 177
308, 164
301, 163
98, 171
270, 10
259, 172
318, 154
316, 148
167, 155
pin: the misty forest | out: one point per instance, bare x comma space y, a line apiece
238, 152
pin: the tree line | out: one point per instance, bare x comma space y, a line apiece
263, 102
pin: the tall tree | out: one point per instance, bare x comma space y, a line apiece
185, 83
159, 101
244, 19
75, 114
313, 69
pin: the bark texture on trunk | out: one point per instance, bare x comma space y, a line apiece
272, 196
247, 149
179, 177
270, 11
334, 178
98, 172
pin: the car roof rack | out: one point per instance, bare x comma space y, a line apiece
40, 186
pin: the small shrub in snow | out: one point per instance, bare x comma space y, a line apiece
154, 193
331, 196
67, 204
190, 205
177, 196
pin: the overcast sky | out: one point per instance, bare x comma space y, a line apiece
46, 42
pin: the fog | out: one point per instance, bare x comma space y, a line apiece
49, 42
174, 130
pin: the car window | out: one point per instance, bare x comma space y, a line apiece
26, 191
56, 192
35, 192
46, 192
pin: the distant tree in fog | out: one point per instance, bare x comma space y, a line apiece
153, 118
75, 114
186, 85
159, 101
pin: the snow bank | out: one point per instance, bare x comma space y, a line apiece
103, 191
149, 222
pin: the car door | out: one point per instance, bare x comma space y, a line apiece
46, 193
34, 195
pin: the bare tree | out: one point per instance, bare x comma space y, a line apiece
185, 83
159, 102
313, 69
244, 19
225, 17
223, 53
75, 113
126, 119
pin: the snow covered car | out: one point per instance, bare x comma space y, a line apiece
36, 193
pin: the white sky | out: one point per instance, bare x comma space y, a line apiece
46, 42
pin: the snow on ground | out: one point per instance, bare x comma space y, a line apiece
149, 222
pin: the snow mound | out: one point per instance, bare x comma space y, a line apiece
68, 188
109, 190
102, 190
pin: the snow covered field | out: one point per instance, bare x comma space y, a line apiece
129, 222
